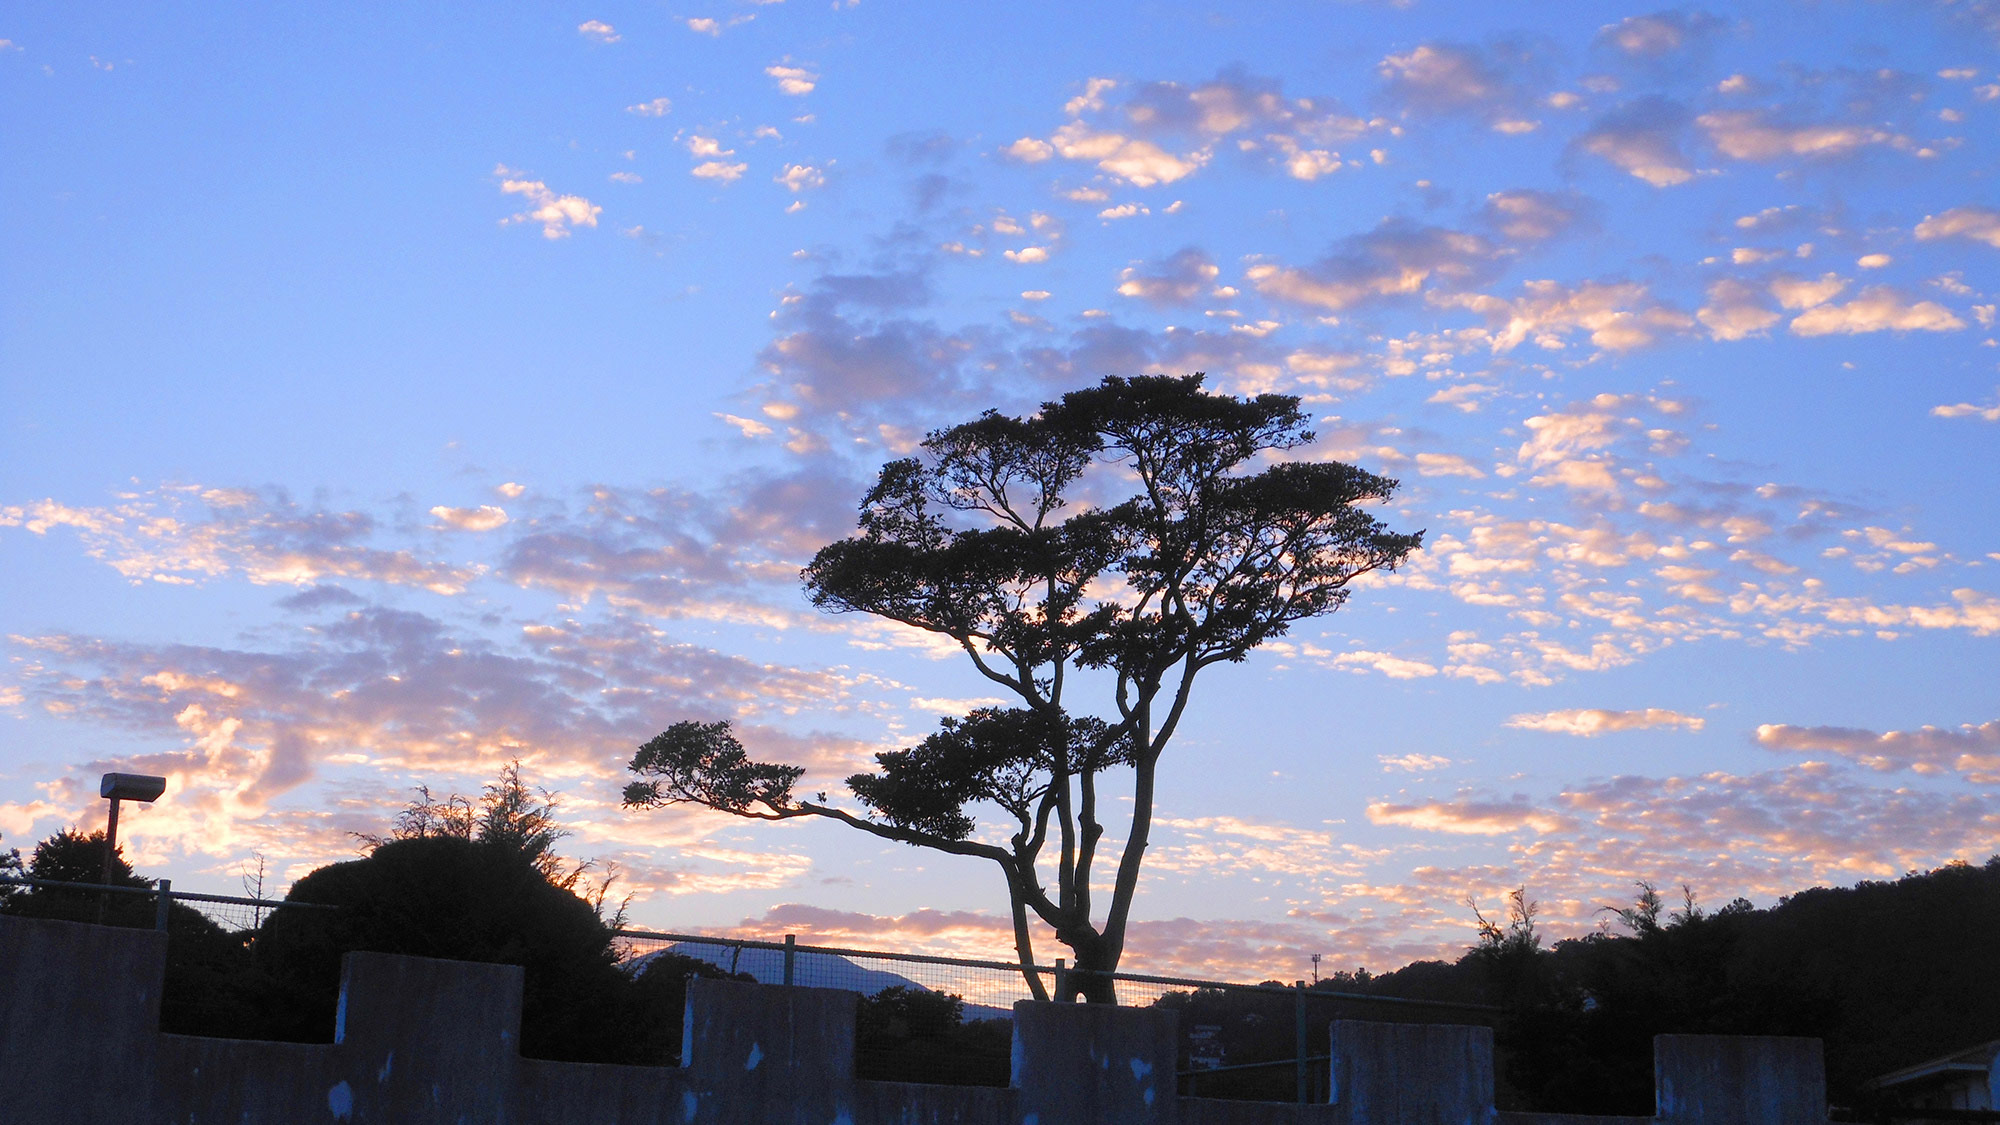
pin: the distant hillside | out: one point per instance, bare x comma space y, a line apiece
816, 970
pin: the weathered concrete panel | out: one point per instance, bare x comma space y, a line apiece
426, 1042
1092, 1064
1412, 1073
244, 1082
1738, 1080
563, 1093
1221, 1111
79, 1021
1507, 1117
911, 1103
758, 1055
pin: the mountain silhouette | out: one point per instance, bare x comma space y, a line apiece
814, 970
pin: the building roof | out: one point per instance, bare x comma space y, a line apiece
1972, 1060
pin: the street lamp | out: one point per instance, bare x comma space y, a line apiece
125, 787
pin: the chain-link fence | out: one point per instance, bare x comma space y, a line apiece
157, 907
948, 1020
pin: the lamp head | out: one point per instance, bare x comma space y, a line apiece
132, 787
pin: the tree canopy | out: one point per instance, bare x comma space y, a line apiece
1008, 536
479, 880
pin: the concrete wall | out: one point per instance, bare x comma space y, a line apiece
425, 1042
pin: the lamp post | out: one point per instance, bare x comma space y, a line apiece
123, 787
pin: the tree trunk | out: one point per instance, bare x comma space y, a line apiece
1089, 980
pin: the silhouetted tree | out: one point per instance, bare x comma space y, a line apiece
473, 882
10, 867
1210, 556
909, 1034
74, 856
440, 896
510, 817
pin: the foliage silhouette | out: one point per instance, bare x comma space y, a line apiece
479, 881
1210, 556
906, 1034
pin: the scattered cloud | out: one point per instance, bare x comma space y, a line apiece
1970, 750
800, 177
485, 517
558, 214
1450, 78
1137, 162
1181, 279
1643, 139
713, 28
1471, 818
1390, 665
1879, 308
658, 107
598, 30
1987, 413
1448, 465
1981, 224
1525, 216
186, 535
1616, 316
1028, 150
1659, 34
1752, 135
793, 80
237, 729
1398, 258
719, 170
1166, 131
1412, 763
1735, 310
1590, 723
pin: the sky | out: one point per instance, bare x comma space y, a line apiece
387, 394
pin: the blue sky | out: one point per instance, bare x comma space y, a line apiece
387, 395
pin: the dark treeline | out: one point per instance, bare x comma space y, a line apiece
1886, 973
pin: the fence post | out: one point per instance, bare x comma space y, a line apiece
1062, 975
1299, 1060
791, 944
165, 903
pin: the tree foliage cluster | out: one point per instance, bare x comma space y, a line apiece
906, 1034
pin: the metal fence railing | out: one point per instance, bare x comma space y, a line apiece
117, 905
943, 1019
